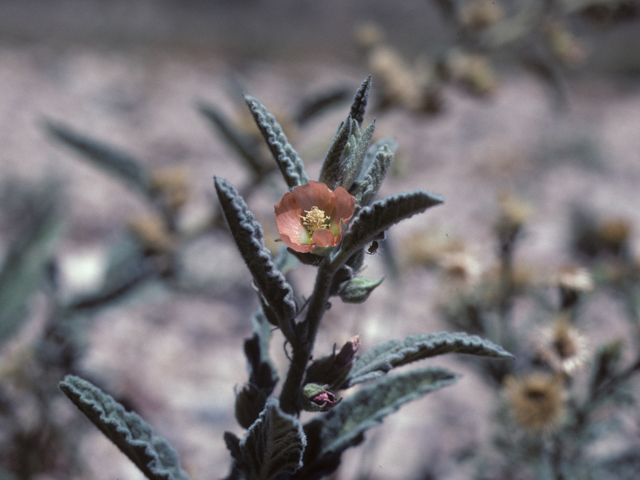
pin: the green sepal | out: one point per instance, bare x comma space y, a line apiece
378, 217
359, 105
345, 424
274, 444
242, 142
310, 391
249, 238
287, 159
394, 353
358, 289
106, 157
133, 436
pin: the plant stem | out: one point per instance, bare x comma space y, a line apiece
290, 396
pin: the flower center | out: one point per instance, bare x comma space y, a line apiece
315, 219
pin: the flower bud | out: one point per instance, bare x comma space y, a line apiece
347, 352
316, 398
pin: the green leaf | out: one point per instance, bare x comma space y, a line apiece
372, 151
106, 157
332, 165
262, 372
344, 425
132, 435
376, 218
25, 264
358, 289
247, 233
359, 104
395, 353
368, 187
353, 165
286, 157
243, 143
263, 376
274, 444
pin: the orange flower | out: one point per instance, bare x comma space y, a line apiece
312, 214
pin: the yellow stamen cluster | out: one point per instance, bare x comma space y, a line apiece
315, 219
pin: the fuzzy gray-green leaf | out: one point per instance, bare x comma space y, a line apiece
132, 435
353, 165
359, 104
263, 376
110, 159
274, 444
332, 165
247, 233
395, 353
368, 187
285, 156
371, 153
244, 143
381, 215
341, 427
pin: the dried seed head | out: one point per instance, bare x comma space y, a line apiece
152, 232
536, 401
172, 183
562, 346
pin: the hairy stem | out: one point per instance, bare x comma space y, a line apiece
290, 396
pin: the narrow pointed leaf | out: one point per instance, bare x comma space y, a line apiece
359, 104
132, 435
344, 425
243, 143
378, 217
395, 353
274, 444
368, 187
106, 157
371, 153
247, 233
331, 167
353, 165
289, 163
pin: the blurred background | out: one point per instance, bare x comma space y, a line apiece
115, 115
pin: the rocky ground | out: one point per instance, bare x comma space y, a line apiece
178, 357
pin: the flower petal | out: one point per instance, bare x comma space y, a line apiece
344, 207
298, 247
324, 238
314, 194
288, 217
